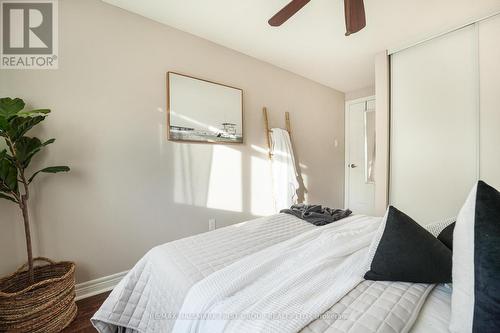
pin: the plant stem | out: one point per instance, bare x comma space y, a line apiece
23, 204
12, 149
24, 208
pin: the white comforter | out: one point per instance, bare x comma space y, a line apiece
148, 298
297, 280
284, 248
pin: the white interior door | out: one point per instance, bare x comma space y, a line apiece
360, 156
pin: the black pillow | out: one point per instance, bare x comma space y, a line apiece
476, 263
409, 253
446, 236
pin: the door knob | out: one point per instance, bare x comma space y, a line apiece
353, 166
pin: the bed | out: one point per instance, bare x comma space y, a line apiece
153, 293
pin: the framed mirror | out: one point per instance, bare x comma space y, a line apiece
203, 111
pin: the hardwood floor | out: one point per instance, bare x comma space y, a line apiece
86, 308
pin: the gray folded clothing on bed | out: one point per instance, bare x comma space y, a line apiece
316, 214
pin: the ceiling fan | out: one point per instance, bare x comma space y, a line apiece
354, 11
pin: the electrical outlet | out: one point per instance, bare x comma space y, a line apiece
212, 225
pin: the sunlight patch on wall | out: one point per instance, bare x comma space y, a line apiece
225, 183
261, 187
192, 164
263, 151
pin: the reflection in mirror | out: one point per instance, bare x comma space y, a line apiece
370, 146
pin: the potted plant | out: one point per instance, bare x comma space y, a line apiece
35, 298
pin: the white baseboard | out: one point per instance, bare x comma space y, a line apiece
98, 286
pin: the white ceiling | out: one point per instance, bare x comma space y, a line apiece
312, 43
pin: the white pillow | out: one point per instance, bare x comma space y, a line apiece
436, 228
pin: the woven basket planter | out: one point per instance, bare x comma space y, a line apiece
46, 306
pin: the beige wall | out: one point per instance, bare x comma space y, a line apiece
129, 188
360, 93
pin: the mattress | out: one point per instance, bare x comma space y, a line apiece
182, 263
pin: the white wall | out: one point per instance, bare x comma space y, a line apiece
360, 93
489, 55
131, 189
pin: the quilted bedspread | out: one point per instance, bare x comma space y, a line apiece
150, 297
151, 294
374, 306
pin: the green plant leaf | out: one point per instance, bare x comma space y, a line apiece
3, 186
4, 196
54, 169
9, 106
4, 125
26, 148
19, 126
34, 113
8, 175
48, 142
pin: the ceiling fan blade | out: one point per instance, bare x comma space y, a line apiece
288, 11
355, 19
